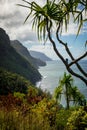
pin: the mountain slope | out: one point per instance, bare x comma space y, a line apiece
40, 56
25, 53
12, 61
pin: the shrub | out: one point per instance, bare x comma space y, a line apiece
10, 83
78, 120
61, 119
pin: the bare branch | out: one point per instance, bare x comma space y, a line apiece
76, 60
70, 54
77, 75
54, 46
62, 58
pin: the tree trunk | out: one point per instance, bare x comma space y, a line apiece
67, 96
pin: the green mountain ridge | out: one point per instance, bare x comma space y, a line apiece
25, 53
12, 61
40, 56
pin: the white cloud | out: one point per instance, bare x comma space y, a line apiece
71, 30
6, 7
12, 18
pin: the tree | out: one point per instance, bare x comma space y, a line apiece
65, 87
70, 92
12, 82
77, 97
77, 120
58, 13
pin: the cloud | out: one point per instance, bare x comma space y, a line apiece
6, 9
12, 18
71, 30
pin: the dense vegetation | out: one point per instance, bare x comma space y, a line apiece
71, 93
12, 61
23, 106
25, 53
11, 82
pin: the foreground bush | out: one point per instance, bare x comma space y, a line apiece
17, 113
11, 82
25, 116
78, 119
62, 118
14, 120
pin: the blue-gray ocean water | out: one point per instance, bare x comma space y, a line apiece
53, 71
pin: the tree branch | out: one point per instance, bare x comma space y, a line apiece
54, 45
76, 60
77, 75
61, 57
70, 54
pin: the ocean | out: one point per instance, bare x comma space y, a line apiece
53, 71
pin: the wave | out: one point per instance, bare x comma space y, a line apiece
45, 77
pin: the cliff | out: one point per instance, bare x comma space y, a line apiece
14, 62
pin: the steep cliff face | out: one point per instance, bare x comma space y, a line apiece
14, 62
25, 53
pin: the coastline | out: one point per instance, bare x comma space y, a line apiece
53, 71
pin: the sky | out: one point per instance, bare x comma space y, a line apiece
12, 18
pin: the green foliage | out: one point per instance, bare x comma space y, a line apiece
25, 53
10, 83
26, 116
9, 121
77, 97
32, 92
62, 118
57, 93
78, 120
35, 95
16, 113
65, 87
30, 108
58, 12
15, 121
45, 16
14, 62
19, 95
46, 111
70, 92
